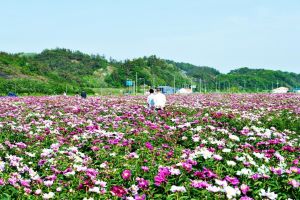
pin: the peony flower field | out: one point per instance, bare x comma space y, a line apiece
202, 146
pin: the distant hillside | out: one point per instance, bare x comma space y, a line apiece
288, 79
155, 71
54, 71
205, 75
242, 79
197, 72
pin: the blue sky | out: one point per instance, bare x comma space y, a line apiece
224, 34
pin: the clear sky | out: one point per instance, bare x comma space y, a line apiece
224, 34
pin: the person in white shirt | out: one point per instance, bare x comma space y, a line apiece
150, 99
159, 100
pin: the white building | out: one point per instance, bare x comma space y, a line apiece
280, 90
185, 91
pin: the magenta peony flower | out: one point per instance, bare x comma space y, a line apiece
25, 183
205, 173
142, 183
187, 166
92, 173
118, 191
149, 146
232, 180
159, 179
244, 188
296, 161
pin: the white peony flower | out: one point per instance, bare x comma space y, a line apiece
217, 157
95, 189
175, 188
225, 150
244, 171
213, 188
91, 198
205, 153
231, 192
174, 171
259, 155
221, 183
231, 163
184, 138
234, 137
49, 195
268, 194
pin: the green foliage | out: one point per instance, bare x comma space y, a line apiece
260, 79
54, 71
153, 70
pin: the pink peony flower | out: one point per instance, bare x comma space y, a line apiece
199, 184
21, 145
294, 183
2, 182
95, 148
126, 174
145, 168
38, 192
140, 197
246, 198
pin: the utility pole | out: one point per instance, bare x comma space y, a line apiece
153, 82
174, 86
133, 87
277, 83
200, 84
136, 83
216, 86
272, 85
144, 84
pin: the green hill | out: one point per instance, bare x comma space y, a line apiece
54, 71
242, 79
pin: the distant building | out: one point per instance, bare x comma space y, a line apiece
11, 94
185, 91
166, 89
280, 90
296, 90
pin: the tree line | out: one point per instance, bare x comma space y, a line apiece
58, 70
